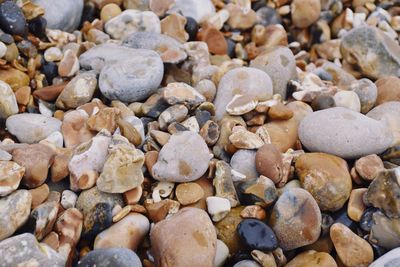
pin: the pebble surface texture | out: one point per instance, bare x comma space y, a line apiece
204, 133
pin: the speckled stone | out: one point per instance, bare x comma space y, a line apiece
106, 257
296, 219
184, 158
312, 258
344, 133
367, 93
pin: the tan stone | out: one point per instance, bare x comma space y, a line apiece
75, 129
388, 89
305, 12
109, 11
39, 195
253, 211
160, 7
106, 118
356, 206
52, 240
280, 112
369, 166
69, 65
240, 17
269, 162
22, 95
188, 193
312, 258
15, 78
10, 176
174, 24
226, 230
133, 196
59, 170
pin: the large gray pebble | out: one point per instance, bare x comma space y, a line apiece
132, 79
106, 257
200, 10
24, 250
388, 112
279, 63
88, 199
390, 259
184, 158
344, 133
169, 49
63, 15
32, 128
245, 81
244, 161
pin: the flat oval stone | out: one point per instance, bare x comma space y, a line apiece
62, 15
14, 212
367, 93
257, 235
105, 257
390, 259
246, 81
24, 249
279, 63
184, 158
8, 101
31, 128
244, 161
388, 89
169, 49
384, 231
296, 219
312, 258
132, 79
344, 133
326, 177
12, 19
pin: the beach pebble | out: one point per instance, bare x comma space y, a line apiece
250, 81
288, 219
130, 21
132, 79
369, 166
12, 19
280, 65
199, 10
64, 15
347, 99
390, 259
32, 128
326, 177
305, 13
366, 39
188, 193
194, 240
221, 254
218, 207
269, 162
244, 161
68, 199
354, 134
383, 231
367, 93
99, 218
169, 49
388, 89
352, 249
14, 212
104, 257
312, 258
356, 206
10, 176
184, 158
257, 235
24, 249
8, 101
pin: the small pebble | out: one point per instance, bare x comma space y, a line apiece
218, 208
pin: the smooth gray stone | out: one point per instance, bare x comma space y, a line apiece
390, 259
24, 250
244, 161
62, 15
200, 10
31, 128
345, 133
107, 257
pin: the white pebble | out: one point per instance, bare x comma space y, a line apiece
56, 138
68, 199
53, 54
348, 99
218, 207
221, 254
3, 49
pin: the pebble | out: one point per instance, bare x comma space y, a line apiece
12, 19
305, 13
244, 161
257, 235
32, 128
8, 101
174, 26
240, 17
122, 170
184, 158
53, 54
65, 15
296, 219
369, 166
221, 254
218, 208
244, 139
3, 49
383, 231
280, 112
130, 21
246, 263
78, 91
96, 220
14, 77
347, 99
109, 11
74, 128
68, 199
39, 195
143, 70
383, 193
69, 65
189, 193
352, 249
366, 39
312, 258
175, 113
195, 241
43, 218
390, 259
354, 134
169, 49
182, 93
249, 81
226, 230
356, 206
24, 249
223, 183
326, 177
280, 65
388, 89
103, 257
199, 10
269, 162
14, 212
367, 93
388, 112
36, 159
88, 161
260, 191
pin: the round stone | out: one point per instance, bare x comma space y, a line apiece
326, 177
257, 235
296, 219
344, 133
189, 193
132, 79
369, 166
12, 19
388, 89
305, 12
244, 161
184, 158
347, 99
105, 257
109, 11
269, 162
312, 258
367, 93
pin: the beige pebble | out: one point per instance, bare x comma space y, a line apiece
188, 193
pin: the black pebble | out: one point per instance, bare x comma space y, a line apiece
6, 38
38, 27
257, 235
341, 216
366, 219
90, 12
202, 116
98, 219
50, 70
12, 19
191, 28
231, 47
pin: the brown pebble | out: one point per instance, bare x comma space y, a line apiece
280, 112
312, 258
369, 166
214, 38
150, 158
39, 195
305, 12
69, 65
388, 89
356, 206
188, 193
174, 26
49, 93
253, 211
133, 196
158, 211
52, 240
269, 162
22, 95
